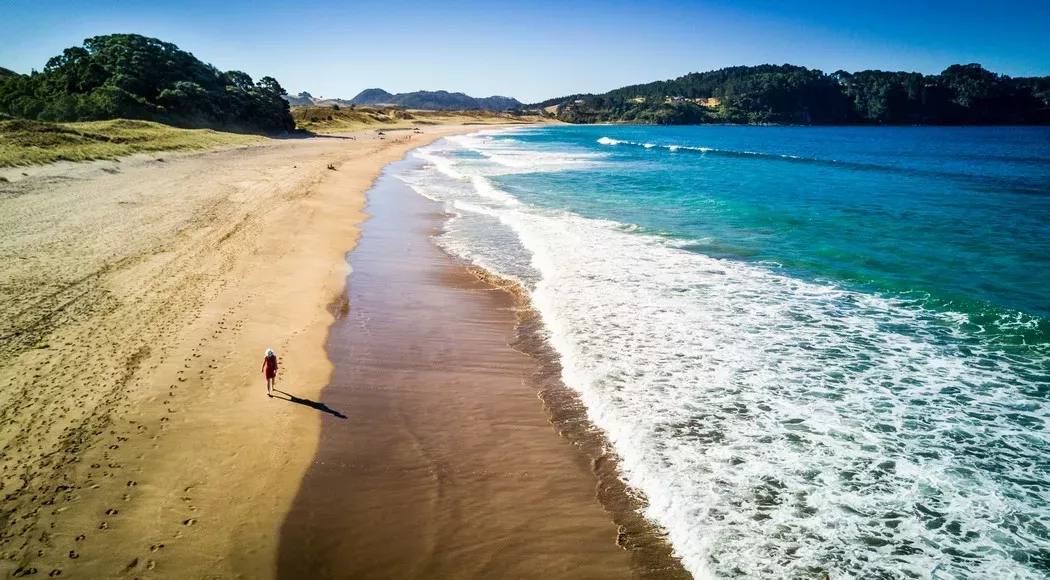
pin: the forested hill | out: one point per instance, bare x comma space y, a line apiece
135, 77
435, 101
787, 94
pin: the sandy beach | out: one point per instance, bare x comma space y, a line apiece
446, 465
137, 300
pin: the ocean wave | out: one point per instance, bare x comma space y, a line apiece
645, 145
777, 426
1018, 185
509, 156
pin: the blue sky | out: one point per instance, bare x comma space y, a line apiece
538, 49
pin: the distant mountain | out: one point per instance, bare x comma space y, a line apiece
303, 98
434, 100
4, 73
373, 97
424, 100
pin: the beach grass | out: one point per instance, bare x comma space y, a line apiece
328, 119
25, 142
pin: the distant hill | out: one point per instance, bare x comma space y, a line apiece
4, 73
434, 101
303, 98
788, 94
422, 100
373, 97
131, 76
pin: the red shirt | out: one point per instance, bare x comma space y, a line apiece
270, 367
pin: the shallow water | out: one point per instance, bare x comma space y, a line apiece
813, 350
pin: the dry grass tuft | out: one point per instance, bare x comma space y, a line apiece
24, 142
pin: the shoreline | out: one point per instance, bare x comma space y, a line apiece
137, 438
175, 464
652, 555
650, 551
451, 436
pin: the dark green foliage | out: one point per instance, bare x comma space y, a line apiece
5, 73
786, 94
135, 77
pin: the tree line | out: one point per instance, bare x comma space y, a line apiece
136, 77
788, 94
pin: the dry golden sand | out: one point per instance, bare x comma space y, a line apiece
136, 300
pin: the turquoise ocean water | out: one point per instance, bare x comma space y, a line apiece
814, 349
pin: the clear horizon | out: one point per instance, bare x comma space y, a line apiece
542, 50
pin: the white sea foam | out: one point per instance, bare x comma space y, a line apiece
676, 147
509, 156
775, 425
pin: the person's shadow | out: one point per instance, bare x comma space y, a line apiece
313, 404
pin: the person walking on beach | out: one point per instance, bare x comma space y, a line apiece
269, 369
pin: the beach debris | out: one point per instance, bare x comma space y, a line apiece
332, 167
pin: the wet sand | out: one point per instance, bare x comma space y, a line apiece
136, 300
435, 459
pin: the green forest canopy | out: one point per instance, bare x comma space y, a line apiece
135, 77
961, 95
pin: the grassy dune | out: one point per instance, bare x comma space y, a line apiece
24, 142
329, 120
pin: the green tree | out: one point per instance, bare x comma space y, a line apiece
133, 76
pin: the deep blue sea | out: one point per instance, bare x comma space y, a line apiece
813, 349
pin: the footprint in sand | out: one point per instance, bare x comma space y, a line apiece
73, 555
189, 522
111, 512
